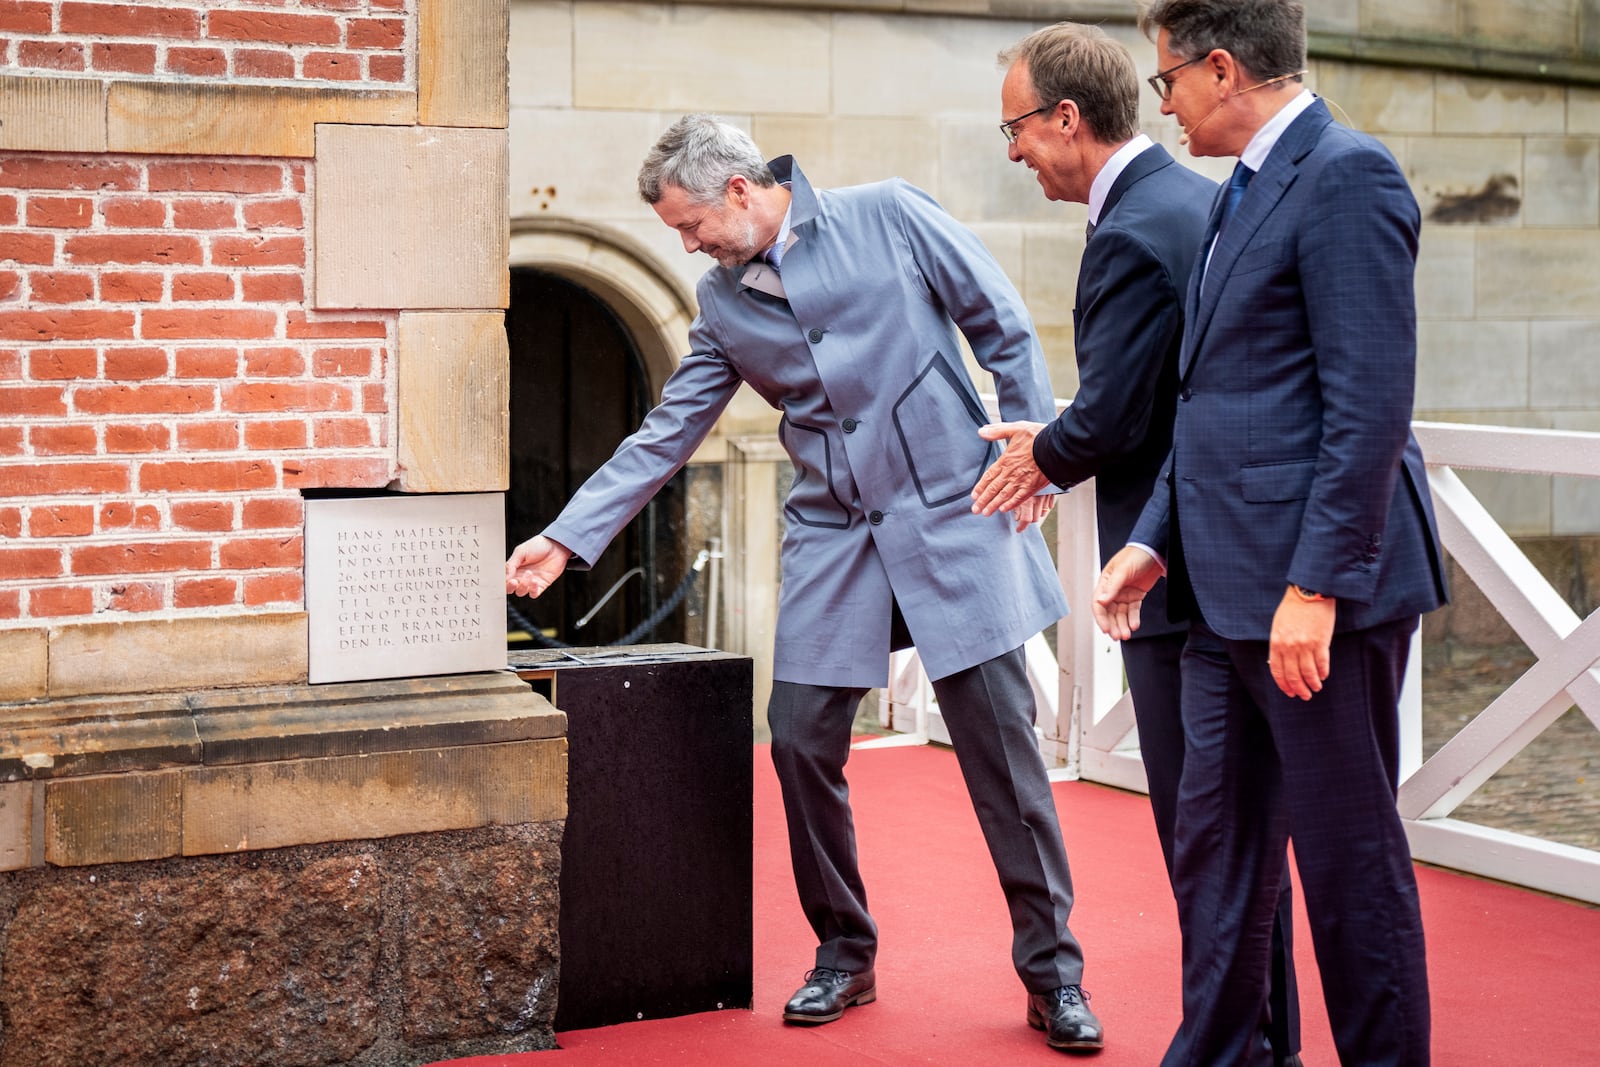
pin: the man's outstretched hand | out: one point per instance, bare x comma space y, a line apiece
1013, 479
534, 564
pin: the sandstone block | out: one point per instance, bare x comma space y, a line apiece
1445, 259
1050, 259
1377, 99
169, 654
454, 371
1583, 111
1473, 365
113, 818
342, 798
24, 664
1563, 182
52, 114
411, 218
16, 825
1473, 105
1566, 364
770, 60
240, 120
541, 39
1537, 273
1545, 26
851, 150
599, 182
462, 62
1413, 18
1467, 181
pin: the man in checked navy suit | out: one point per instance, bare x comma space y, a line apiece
1294, 521
841, 308
1074, 93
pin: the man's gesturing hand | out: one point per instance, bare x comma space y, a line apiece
534, 564
1013, 478
1121, 588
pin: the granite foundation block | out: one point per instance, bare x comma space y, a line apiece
396, 952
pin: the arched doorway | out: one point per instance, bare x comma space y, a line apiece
579, 385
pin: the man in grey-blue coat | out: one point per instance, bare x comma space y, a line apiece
842, 309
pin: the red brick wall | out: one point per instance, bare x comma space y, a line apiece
330, 41
164, 394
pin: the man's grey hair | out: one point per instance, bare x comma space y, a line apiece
1266, 37
1085, 65
699, 153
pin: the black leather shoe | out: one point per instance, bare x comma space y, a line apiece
827, 993
1292, 1061
1064, 1016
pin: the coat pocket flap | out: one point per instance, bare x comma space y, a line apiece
1265, 482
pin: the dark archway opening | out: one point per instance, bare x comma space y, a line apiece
578, 387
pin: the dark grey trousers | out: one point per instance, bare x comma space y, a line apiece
989, 711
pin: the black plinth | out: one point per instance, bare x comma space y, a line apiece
655, 861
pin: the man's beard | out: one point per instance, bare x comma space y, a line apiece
737, 255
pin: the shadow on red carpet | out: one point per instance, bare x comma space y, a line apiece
1515, 975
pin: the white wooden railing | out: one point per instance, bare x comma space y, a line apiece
1086, 723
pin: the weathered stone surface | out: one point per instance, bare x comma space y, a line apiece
478, 948
342, 798
772, 61
1563, 176
392, 953
411, 217
24, 664
541, 39
455, 404
168, 654
16, 825
462, 59
243, 120
114, 818
272, 961
52, 115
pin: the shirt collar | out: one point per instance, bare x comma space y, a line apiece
1101, 188
1255, 153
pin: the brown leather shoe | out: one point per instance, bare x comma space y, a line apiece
1064, 1015
827, 993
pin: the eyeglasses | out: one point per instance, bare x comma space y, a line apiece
1008, 127
1160, 80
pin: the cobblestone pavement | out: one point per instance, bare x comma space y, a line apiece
1551, 789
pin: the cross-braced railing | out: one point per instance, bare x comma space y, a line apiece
1088, 730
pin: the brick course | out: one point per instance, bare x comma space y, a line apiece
352, 43
155, 344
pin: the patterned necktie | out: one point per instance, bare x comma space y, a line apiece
774, 256
1236, 187
1088, 231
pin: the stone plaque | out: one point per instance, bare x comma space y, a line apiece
398, 587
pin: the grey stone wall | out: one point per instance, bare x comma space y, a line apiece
1491, 107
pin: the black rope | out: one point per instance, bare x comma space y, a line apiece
632, 637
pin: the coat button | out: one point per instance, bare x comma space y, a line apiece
876, 518
815, 335
1185, 394
849, 425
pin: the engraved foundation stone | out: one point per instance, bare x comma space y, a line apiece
405, 586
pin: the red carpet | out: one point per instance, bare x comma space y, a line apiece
1515, 975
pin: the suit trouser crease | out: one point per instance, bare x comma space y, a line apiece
989, 711
1153, 667
1339, 752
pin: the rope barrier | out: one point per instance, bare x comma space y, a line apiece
633, 636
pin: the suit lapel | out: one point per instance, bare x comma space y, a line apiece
1140, 167
1266, 190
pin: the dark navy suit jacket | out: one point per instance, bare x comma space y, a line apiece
1128, 324
1293, 459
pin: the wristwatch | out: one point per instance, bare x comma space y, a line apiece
1305, 594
